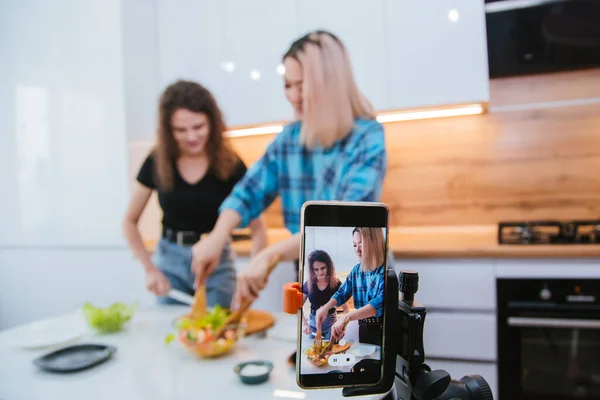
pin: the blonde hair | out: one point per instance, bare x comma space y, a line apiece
373, 248
331, 99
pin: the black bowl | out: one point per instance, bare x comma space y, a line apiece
253, 379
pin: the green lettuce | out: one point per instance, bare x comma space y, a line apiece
214, 319
109, 319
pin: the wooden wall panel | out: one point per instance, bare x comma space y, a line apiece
531, 163
518, 165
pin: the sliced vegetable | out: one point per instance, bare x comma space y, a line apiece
170, 337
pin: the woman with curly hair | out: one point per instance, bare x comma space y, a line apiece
322, 283
193, 169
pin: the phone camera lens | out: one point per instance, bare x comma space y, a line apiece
341, 376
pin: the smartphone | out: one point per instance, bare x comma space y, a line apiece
343, 277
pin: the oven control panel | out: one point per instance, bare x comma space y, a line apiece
545, 294
550, 291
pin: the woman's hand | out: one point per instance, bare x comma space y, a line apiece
157, 282
321, 315
254, 278
206, 255
306, 327
338, 330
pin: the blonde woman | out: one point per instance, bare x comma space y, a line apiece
365, 284
335, 150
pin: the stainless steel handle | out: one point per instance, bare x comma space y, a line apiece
553, 323
509, 5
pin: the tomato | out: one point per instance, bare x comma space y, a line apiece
200, 337
229, 334
182, 336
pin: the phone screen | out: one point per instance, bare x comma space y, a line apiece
343, 280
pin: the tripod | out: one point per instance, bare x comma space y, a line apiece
403, 340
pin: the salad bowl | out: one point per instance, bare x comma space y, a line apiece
210, 336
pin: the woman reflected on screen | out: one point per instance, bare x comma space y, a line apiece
365, 285
322, 283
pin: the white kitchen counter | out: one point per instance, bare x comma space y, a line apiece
144, 368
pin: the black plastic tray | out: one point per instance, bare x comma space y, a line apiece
75, 358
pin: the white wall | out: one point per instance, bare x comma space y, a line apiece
77, 78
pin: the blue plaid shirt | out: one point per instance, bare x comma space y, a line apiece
351, 170
364, 287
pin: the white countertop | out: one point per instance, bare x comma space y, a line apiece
145, 368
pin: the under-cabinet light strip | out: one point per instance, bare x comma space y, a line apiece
470, 109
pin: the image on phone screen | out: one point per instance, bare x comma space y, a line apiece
343, 285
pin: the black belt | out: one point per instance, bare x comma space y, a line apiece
331, 311
370, 321
182, 238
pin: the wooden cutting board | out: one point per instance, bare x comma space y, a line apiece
338, 348
258, 321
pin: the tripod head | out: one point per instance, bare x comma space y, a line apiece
404, 355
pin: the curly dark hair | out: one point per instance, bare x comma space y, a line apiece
196, 98
322, 256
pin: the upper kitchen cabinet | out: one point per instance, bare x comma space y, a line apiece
255, 35
437, 52
189, 43
360, 25
63, 156
232, 47
404, 53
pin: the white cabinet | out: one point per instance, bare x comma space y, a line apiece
63, 156
140, 67
404, 53
189, 42
233, 48
454, 284
437, 52
40, 283
255, 35
359, 24
460, 336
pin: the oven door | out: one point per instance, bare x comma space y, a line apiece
551, 354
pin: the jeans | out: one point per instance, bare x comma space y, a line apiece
325, 326
175, 262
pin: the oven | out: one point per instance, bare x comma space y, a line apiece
532, 36
548, 338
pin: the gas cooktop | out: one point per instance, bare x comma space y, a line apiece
550, 232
